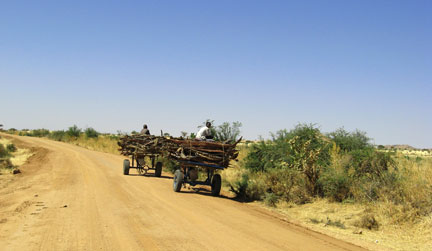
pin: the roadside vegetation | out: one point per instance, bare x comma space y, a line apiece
296, 170
11, 157
88, 138
5, 155
336, 180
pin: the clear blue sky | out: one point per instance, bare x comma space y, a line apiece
114, 65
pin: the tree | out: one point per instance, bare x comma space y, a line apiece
91, 133
183, 134
228, 132
350, 141
73, 131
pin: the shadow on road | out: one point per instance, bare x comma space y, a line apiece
203, 191
193, 190
151, 175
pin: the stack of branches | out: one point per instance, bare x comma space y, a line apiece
141, 145
179, 149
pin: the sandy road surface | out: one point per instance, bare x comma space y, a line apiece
70, 198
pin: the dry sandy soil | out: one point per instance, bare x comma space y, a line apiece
70, 198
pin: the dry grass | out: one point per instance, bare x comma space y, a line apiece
18, 158
320, 215
404, 226
102, 143
230, 175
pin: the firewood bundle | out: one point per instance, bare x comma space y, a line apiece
179, 149
141, 145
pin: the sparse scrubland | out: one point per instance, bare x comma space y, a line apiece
333, 182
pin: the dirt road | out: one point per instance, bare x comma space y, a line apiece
70, 198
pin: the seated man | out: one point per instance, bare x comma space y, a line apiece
204, 133
145, 131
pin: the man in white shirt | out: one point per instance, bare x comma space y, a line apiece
204, 133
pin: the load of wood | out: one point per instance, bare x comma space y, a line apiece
179, 149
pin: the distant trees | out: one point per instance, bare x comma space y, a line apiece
91, 133
350, 141
39, 133
73, 131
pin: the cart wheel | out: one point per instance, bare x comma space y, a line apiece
158, 171
216, 185
178, 180
126, 166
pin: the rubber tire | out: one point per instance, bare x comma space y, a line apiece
126, 166
178, 180
158, 169
216, 185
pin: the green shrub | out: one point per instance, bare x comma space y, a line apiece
370, 163
260, 157
91, 133
335, 185
303, 149
271, 199
11, 148
73, 131
249, 187
39, 133
350, 141
3, 152
57, 135
310, 153
239, 187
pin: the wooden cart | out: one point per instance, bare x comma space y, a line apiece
188, 174
139, 163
